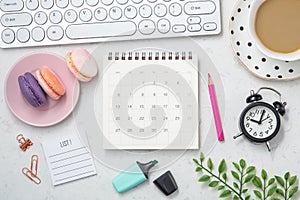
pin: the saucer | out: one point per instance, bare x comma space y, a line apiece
54, 111
245, 50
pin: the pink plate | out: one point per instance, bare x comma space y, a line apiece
54, 111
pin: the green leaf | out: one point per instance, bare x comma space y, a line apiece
221, 187
236, 197
213, 183
293, 191
271, 181
280, 192
250, 169
196, 161
271, 191
204, 178
236, 166
257, 194
287, 176
242, 163
201, 157
275, 198
210, 164
248, 197
236, 185
224, 177
235, 175
225, 193
293, 180
280, 180
244, 191
222, 166
264, 174
257, 182
198, 169
249, 178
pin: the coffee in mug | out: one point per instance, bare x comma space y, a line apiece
275, 24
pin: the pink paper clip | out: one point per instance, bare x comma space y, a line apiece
32, 172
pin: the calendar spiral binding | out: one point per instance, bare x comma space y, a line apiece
150, 55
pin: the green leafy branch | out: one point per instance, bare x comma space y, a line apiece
288, 188
275, 188
266, 187
242, 175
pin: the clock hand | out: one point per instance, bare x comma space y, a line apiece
265, 119
262, 115
252, 120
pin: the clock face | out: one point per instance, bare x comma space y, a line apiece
260, 122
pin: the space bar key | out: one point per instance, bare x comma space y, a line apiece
100, 30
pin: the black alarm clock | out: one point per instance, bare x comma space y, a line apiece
260, 121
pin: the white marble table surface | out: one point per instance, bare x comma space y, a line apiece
237, 82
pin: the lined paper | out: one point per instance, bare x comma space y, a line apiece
68, 159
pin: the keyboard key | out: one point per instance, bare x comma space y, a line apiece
101, 30
16, 19
70, 16
47, 4
32, 4
11, 5
55, 17
92, 2
210, 26
146, 27
130, 12
115, 13
8, 36
145, 11
38, 34
160, 10
107, 2
194, 20
55, 33
77, 3
178, 28
137, 1
62, 3
85, 15
100, 14
40, 18
122, 2
175, 9
199, 7
194, 27
23, 35
163, 26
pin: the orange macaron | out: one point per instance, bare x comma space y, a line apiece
50, 83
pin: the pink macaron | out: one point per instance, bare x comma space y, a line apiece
82, 64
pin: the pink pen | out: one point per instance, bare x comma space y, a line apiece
214, 104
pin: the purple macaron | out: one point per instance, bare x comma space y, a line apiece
31, 90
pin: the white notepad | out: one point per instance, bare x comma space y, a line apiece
68, 159
150, 100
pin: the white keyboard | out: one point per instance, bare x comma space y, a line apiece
54, 22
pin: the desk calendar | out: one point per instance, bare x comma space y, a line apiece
150, 100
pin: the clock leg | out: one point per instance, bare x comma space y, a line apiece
268, 146
240, 134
